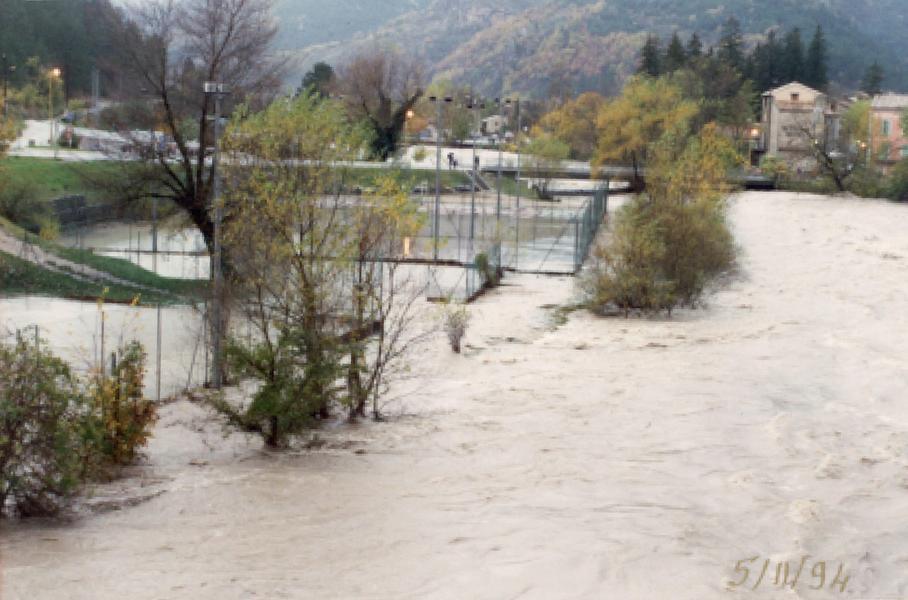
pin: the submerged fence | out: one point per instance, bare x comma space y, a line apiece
515, 233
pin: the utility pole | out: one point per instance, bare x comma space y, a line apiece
154, 209
51, 76
500, 103
473, 106
517, 181
218, 90
435, 224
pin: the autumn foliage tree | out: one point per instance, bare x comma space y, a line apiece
669, 244
629, 125
575, 123
327, 318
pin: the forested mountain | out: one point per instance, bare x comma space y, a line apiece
532, 46
73, 35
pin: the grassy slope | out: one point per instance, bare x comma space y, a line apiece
18, 276
36, 280
54, 178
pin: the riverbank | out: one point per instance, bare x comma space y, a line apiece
594, 458
30, 265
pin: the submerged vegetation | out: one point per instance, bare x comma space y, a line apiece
59, 430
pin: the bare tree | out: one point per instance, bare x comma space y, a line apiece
817, 145
171, 47
380, 87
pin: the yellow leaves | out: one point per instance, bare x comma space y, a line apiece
124, 416
647, 110
575, 123
7, 134
692, 169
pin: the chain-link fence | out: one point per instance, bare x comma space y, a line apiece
87, 335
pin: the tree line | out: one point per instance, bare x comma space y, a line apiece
75, 36
776, 61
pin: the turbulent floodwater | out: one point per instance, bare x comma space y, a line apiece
602, 458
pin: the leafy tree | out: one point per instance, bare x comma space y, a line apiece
575, 123
317, 81
310, 284
675, 55
873, 79
544, 152
646, 110
123, 416
816, 71
898, 182
41, 446
651, 59
668, 245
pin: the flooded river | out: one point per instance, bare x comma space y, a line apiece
597, 458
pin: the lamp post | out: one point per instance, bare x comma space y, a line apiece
437, 100
52, 75
473, 105
218, 91
502, 102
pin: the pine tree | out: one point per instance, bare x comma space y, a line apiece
873, 79
793, 57
694, 47
731, 44
816, 74
675, 55
651, 62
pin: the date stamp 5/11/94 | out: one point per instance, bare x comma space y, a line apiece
752, 573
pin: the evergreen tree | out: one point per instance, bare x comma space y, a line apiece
731, 44
816, 74
873, 79
694, 47
767, 59
675, 55
793, 57
317, 81
651, 62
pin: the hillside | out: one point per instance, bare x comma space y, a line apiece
529, 46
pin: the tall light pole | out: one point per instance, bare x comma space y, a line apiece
52, 75
517, 182
473, 106
437, 100
218, 91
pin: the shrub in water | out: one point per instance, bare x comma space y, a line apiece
41, 443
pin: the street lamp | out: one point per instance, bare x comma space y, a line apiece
437, 101
502, 102
218, 91
52, 75
473, 106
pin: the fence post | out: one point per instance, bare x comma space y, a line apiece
158, 358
